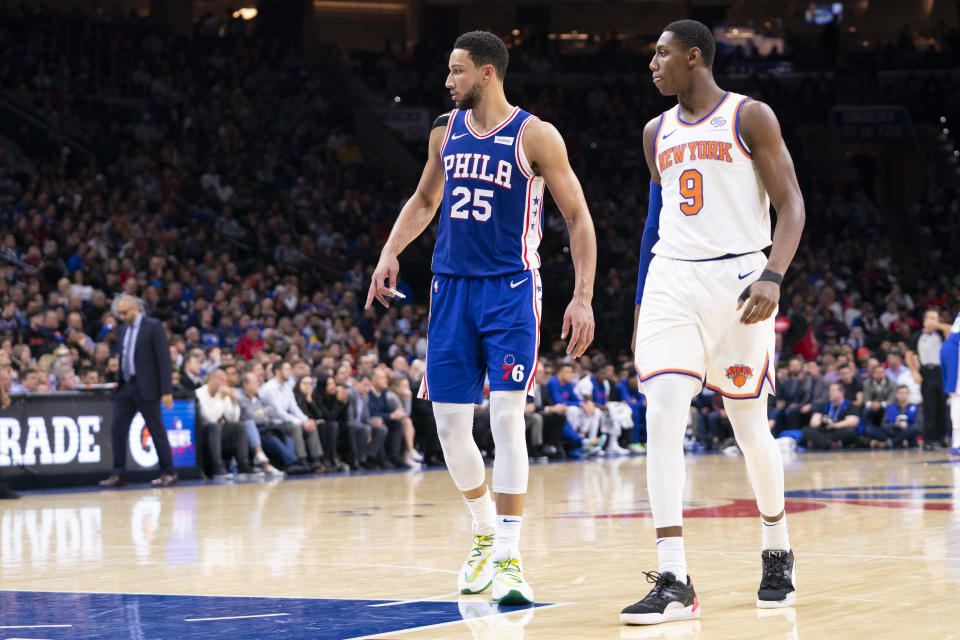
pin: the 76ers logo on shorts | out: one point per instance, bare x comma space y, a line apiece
739, 373
512, 370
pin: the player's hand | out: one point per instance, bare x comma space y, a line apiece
578, 323
384, 278
167, 400
761, 303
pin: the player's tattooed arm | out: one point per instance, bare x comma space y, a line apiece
415, 216
547, 153
761, 132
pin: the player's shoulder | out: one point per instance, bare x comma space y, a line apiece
443, 119
751, 109
650, 129
757, 123
538, 132
530, 122
654, 123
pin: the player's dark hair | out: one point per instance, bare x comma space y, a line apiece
695, 34
485, 48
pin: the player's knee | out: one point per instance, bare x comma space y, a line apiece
454, 421
749, 421
506, 413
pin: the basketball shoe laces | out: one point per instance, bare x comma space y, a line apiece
509, 569
776, 571
480, 544
661, 583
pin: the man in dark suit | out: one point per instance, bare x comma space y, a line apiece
366, 440
145, 378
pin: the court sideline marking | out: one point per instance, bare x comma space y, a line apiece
258, 615
426, 599
453, 622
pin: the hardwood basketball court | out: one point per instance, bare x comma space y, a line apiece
877, 536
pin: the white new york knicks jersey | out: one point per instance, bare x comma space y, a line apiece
714, 203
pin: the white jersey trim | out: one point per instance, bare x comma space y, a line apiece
736, 129
532, 221
481, 136
656, 138
446, 135
522, 161
704, 118
532, 379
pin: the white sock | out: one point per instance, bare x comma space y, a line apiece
507, 539
672, 557
484, 513
775, 535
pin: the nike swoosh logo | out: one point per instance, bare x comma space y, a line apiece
458, 137
514, 285
470, 577
505, 520
741, 277
667, 135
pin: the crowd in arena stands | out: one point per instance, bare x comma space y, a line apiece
235, 215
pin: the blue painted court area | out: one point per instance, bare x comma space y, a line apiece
105, 616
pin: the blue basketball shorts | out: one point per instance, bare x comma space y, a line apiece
482, 328
950, 365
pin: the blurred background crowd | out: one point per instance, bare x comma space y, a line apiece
242, 185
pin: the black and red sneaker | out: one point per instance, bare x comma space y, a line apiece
669, 600
778, 584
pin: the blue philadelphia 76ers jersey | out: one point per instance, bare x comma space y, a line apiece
950, 360
491, 220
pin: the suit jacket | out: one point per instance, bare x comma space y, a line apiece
794, 391
820, 393
352, 407
151, 358
541, 397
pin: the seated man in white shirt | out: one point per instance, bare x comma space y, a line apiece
277, 394
224, 436
901, 374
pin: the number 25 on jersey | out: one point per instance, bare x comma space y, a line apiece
691, 188
480, 197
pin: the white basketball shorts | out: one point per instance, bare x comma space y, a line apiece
689, 325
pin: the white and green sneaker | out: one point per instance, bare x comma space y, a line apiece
509, 587
476, 574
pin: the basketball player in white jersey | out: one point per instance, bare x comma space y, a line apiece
706, 300
488, 165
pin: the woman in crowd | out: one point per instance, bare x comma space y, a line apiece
326, 428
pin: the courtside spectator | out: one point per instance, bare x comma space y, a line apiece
287, 415
834, 425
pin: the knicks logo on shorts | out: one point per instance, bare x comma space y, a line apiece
739, 373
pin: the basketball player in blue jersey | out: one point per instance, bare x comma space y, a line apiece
950, 366
488, 164
706, 300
